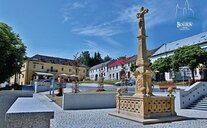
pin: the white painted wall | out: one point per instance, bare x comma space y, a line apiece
186, 97
114, 70
97, 71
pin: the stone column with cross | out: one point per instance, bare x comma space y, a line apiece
142, 73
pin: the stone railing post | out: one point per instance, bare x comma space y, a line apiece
172, 101
119, 90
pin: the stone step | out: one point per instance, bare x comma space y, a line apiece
200, 107
204, 109
192, 106
204, 99
199, 103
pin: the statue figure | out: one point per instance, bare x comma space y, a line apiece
140, 17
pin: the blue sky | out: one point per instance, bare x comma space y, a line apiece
64, 27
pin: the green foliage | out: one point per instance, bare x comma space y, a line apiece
190, 56
89, 61
97, 58
12, 52
133, 67
162, 65
121, 57
85, 58
106, 58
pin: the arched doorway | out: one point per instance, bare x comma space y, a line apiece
96, 77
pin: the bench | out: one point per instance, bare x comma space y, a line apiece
166, 86
28, 113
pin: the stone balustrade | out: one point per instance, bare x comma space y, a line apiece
146, 107
188, 96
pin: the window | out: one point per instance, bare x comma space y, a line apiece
110, 76
62, 69
34, 66
42, 67
51, 68
113, 75
195, 72
69, 70
84, 71
116, 66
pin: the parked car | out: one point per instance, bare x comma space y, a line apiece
129, 83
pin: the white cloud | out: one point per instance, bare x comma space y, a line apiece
68, 8
98, 30
65, 18
111, 41
128, 14
159, 12
77, 5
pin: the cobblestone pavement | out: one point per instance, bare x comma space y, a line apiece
99, 118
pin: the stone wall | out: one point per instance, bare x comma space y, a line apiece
89, 100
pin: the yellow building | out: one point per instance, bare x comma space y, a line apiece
46, 64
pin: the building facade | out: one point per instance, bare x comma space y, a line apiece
46, 64
167, 49
116, 67
111, 69
95, 71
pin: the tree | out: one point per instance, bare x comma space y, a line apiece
190, 56
85, 58
75, 79
106, 58
162, 65
89, 61
12, 52
133, 67
121, 57
97, 59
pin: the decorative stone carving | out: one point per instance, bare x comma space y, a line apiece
170, 90
143, 104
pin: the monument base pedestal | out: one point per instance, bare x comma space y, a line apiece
148, 121
146, 109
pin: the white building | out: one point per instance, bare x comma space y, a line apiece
111, 69
115, 68
95, 71
167, 50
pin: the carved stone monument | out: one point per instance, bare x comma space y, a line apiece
143, 106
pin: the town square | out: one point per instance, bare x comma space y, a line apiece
103, 64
